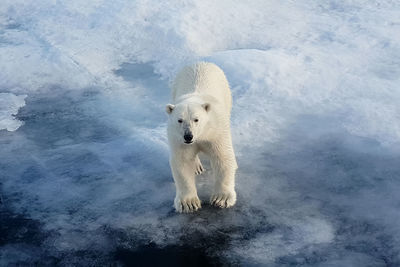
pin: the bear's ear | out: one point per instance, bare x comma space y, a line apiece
169, 108
206, 106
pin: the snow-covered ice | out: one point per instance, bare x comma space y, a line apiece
84, 174
9, 106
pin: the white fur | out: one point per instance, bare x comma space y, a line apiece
201, 92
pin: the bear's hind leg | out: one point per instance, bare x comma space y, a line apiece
199, 169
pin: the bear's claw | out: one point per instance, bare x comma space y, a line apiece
223, 199
187, 205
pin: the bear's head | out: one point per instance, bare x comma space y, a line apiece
188, 121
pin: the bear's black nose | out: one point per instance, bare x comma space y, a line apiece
188, 137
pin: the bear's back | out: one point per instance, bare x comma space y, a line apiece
202, 78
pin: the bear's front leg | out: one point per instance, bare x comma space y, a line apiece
186, 199
224, 168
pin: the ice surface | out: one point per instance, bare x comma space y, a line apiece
316, 127
9, 106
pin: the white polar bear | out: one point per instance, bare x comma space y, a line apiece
199, 121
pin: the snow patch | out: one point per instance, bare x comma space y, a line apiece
9, 106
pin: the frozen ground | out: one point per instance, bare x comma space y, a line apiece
84, 175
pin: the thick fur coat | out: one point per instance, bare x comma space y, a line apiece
199, 121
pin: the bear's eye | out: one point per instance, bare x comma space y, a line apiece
180, 120
196, 120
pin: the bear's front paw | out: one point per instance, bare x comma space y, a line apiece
187, 204
224, 199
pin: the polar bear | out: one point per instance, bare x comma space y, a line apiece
199, 121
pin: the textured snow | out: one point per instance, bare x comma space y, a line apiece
316, 127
